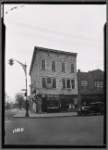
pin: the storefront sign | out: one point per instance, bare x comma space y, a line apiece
52, 97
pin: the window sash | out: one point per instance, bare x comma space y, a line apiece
84, 83
98, 84
54, 83
63, 83
72, 68
43, 82
43, 64
53, 65
63, 67
46, 81
49, 80
68, 83
73, 84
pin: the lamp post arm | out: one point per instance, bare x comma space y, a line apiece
24, 66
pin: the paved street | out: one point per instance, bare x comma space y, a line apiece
10, 112
71, 130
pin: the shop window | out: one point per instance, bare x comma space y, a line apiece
43, 64
53, 65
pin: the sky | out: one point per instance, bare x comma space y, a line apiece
72, 28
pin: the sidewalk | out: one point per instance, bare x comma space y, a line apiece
22, 112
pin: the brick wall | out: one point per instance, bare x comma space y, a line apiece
91, 77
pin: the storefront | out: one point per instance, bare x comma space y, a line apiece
56, 103
86, 99
69, 102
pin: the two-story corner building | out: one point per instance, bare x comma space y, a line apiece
91, 86
54, 77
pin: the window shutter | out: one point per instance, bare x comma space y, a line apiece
43, 83
54, 83
63, 67
63, 83
43, 64
53, 65
73, 84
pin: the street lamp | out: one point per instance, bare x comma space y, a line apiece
24, 66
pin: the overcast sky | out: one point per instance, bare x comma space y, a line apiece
72, 28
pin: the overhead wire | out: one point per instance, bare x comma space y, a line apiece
54, 39
53, 32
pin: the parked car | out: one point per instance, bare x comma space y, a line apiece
97, 107
84, 110
92, 109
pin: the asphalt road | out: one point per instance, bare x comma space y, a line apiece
9, 113
75, 130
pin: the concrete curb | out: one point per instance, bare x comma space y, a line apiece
48, 115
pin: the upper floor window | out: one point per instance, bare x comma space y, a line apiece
98, 84
54, 83
68, 83
73, 84
48, 82
72, 68
84, 84
63, 83
43, 64
53, 65
63, 67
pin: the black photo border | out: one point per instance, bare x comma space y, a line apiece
50, 2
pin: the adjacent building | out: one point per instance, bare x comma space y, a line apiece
53, 79
91, 86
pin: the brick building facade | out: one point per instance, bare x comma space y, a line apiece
91, 86
54, 78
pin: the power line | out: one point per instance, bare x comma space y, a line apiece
53, 32
53, 39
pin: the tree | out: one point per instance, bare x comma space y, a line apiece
8, 101
19, 99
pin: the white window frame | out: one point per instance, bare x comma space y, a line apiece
66, 83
